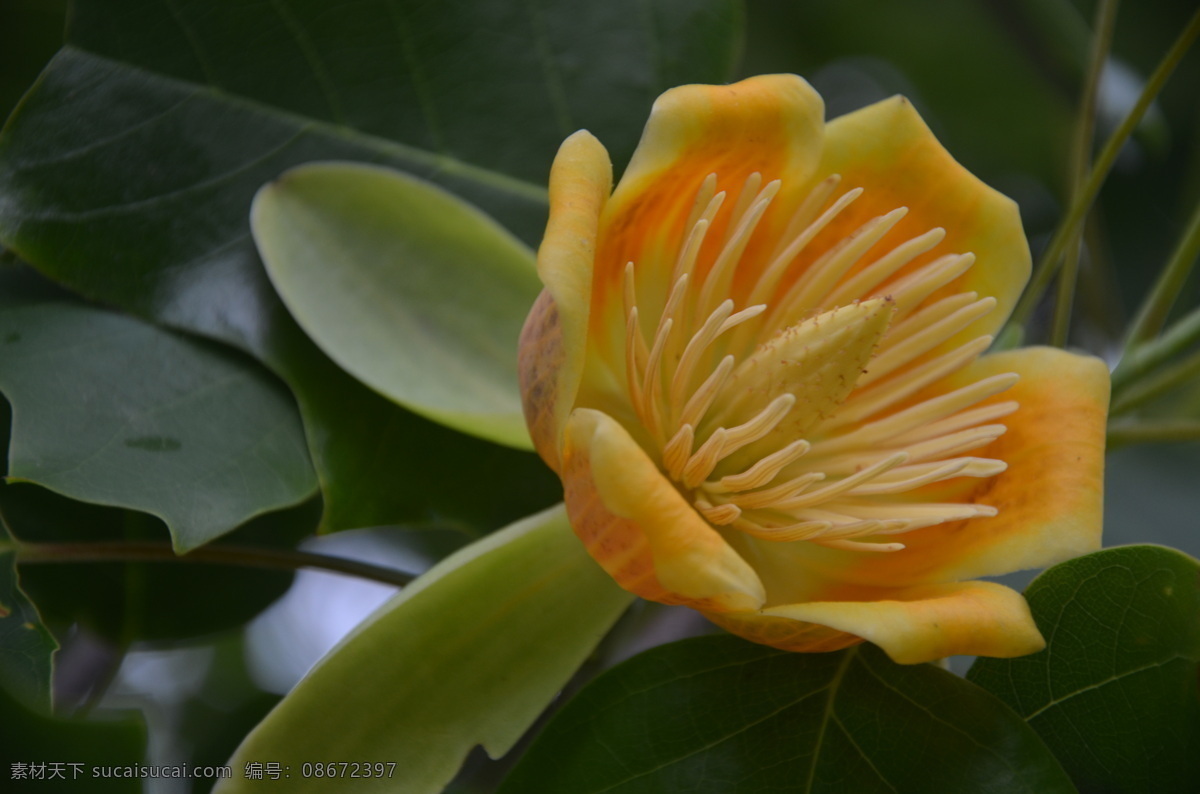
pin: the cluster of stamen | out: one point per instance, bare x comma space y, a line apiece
838, 485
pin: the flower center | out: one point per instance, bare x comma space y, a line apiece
805, 415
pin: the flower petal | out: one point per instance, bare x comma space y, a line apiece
638, 527
554, 338
1051, 496
771, 125
888, 150
912, 625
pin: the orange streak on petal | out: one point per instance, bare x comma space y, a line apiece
1050, 498
630, 516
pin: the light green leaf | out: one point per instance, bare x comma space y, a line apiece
407, 287
468, 654
112, 410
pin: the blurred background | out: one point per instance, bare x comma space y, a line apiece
997, 80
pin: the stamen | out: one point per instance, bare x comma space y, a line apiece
630, 293
855, 545
695, 346
697, 406
717, 323
845, 484
926, 473
921, 414
890, 357
635, 362
764, 422
769, 497
954, 443
716, 281
652, 383
678, 450
809, 291
866, 403
909, 291
696, 231
703, 196
779, 265
721, 514
702, 462
928, 315
885, 266
782, 534
807, 211
686, 262
917, 515
960, 421
761, 472
745, 198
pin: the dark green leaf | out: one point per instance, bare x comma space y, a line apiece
1114, 694
126, 601
717, 714
26, 646
127, 174
111, 410
67, 752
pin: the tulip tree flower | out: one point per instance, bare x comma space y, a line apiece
757, 367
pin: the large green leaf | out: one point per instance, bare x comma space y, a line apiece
1114, 694
128, 170
468, 654
720, 715
409, 289
111, 410
26, 646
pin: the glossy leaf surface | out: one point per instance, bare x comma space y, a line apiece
127, 174
409, 289
1115, 693
111, 410
468, 654
718, 714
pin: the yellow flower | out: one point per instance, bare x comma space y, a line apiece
756, 368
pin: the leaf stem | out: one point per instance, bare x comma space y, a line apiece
1048, 263
1142, 433
247, 556
1157, 306
1161, 382
1137, 362
1081, 156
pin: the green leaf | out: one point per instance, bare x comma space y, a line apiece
1114, 694
110, 410
468, 654
128, 170
408, 288
66, 751
152, 601
26, 646
381, 464
718, 714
